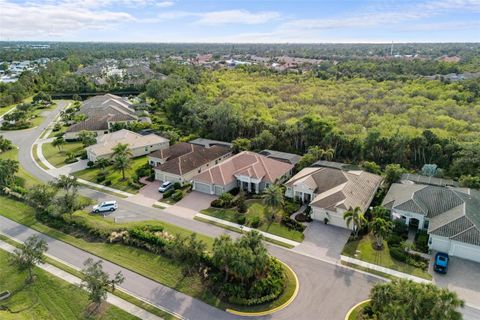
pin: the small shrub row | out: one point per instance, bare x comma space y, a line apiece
292, 224
290, 207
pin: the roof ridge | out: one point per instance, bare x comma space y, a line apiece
461, 232
453, 219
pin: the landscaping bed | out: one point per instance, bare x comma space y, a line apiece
113, 178
357, 312
47, 298
258, 217
177, 193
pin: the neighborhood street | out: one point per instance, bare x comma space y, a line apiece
327, 290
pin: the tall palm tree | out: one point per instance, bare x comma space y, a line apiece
273, 199
121, 158
102, 164
58, 142
355, 218
380, 229
327, 154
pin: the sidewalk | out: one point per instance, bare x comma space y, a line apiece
112, 299
247, 229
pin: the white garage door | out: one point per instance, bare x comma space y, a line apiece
465, 251
218, 190
202, 187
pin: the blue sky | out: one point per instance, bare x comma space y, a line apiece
241, 21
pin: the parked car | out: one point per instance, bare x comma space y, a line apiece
441, 262
105, 206
165, 186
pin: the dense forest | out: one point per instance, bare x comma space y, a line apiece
365, 109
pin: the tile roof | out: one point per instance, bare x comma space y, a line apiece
281, 156
100, 122
336, 188
452, 212
188, 157
104, 104
134, 140
247, 163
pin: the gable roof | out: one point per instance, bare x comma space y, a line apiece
189, 157
107, 142
248, 164
104, 104
335, 188
453, 212
97, 123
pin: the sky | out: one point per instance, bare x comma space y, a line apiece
247, 21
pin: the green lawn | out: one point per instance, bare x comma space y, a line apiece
29, 179
62, 130
256, 209
47, 298
357, 312
156, 267
5, 109
114, 175
57, 157
362, 249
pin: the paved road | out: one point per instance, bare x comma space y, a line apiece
327, 290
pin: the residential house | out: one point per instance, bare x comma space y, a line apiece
281, 156
182, 161
450, 215
207, 143
138, 144
247, 170
100, 125
331, 191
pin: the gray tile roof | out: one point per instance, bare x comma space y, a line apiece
282, 156
453, 212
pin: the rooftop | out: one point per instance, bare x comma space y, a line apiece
282, 156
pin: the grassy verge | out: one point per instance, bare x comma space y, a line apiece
37, 159
5, 109
256, 210
114, 176
368, 270
58, 157
47, 298
221, 225
28, 179
103, 190
362, 249
356, 313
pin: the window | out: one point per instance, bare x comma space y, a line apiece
216, 161
146, 148
199, 170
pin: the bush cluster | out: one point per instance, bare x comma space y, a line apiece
290, 207
292, 224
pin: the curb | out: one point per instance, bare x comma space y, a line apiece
354, 307
271, 311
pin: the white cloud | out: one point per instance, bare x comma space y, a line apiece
223, 17
44, 20
165, 4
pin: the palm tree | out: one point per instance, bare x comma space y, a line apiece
355, 218
273, 199
121, 158
58, 142
102, 164
327, 154
380, 229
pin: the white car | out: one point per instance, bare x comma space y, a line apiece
105, 206
165, 186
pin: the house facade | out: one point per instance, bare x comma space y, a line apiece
182, 161
450, 215
330, 192
137, 144
246, 170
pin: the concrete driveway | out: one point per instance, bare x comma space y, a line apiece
323, 241
196, 201
148, 195
463, 277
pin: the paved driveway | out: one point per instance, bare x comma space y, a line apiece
196, 201
463, 277
323, 241
147, 195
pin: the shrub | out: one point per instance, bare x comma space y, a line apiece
394, 240
292, 224
177, 195
398, 254
401, 229
177, 185
217, 203
256, 222
100, 178
108, 182
421, 241
291, 207
168, 193
227, 199
301, 217
234, 191
241, 219
90, 164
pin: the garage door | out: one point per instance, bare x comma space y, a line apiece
465, 251
218, 190
202, 187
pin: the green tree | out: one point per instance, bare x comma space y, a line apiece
380, 229
102, 164
371, 167
58, 142
265, 140
241, 205
8, 169
87, 138
404, 300
30, 254
393, 172
381, 212
40, 196
241, 144
356, 219
226, 198
315, 153
5, 144
97, 282
273, 199
121, 158
68, 202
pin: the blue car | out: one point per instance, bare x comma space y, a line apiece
441, 262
